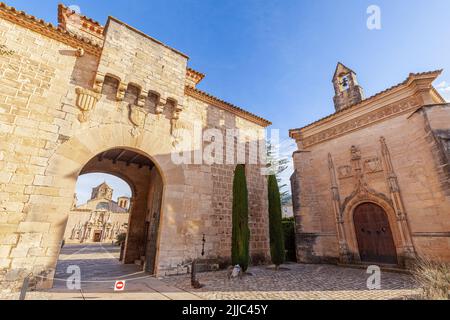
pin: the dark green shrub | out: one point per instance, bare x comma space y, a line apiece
120, 238
289, 239
275, 227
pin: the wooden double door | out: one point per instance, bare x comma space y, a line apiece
374, 234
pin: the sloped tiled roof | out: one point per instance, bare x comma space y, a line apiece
206, 97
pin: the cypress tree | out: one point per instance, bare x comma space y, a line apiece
241, 232
275, 223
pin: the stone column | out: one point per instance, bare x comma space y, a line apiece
402, 221
343, 246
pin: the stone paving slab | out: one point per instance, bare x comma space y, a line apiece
100, 268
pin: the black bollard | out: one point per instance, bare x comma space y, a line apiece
24, 289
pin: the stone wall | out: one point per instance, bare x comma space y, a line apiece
417, 168
55, 118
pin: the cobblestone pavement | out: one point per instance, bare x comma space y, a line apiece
99, 269
300, 282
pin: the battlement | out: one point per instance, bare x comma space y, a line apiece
72, 21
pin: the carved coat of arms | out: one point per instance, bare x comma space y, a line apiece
372, 165
137, 115
86, 101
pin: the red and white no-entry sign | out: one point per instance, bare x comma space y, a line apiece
119, 285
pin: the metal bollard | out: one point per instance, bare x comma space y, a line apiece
24, 289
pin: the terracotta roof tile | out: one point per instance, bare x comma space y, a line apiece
206, 97
46, 28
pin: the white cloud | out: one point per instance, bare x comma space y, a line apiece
444, 89
444, 86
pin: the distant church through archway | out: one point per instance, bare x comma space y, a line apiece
100, 210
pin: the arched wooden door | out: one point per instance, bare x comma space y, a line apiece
374, 234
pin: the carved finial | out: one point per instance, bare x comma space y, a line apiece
330, 161
384, 147
80, 52
356, 153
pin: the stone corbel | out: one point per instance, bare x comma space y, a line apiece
176, 112
98, 83
121, 91
174, 120
141, 100
86, 101
161, 105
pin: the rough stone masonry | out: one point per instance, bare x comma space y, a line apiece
83, 97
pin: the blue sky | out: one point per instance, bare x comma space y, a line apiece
277, 58
86, 182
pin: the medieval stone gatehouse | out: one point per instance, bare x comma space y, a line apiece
372, 180
82, 98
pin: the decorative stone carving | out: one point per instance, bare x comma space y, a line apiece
160, 106
343, 247
121, 91
98, 83
402, 217
345, 172
176, 112
334, 185
141, 100
372, 165
364, 120
86, 101
80, 52
4, 51
178, 127
356, 153
137, 117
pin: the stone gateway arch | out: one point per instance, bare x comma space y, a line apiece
83, 97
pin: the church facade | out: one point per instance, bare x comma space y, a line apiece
372, 180
100, 219
85, 97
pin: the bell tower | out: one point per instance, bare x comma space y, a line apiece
346, 88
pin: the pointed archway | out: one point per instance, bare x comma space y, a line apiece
374, 234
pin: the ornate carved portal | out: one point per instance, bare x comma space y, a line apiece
392, 206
